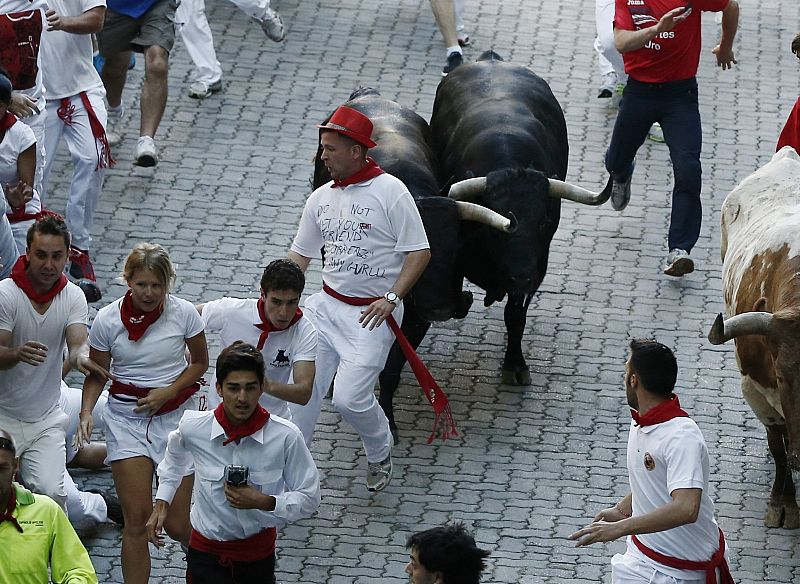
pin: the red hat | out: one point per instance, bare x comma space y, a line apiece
352, 123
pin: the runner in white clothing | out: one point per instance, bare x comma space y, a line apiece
375, 250
277, 327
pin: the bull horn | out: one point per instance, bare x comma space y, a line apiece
747, 323
560, 189
481, 214
468, 189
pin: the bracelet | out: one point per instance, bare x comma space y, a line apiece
623, 513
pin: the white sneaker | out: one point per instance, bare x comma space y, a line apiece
655, 133
146, 152
678, 263
608, 86
272, 23
114, 126
202, 90
379, 474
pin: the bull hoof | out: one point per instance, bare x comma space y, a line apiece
516, 377
786, 516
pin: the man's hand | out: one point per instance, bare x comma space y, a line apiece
153, 401
54, 21
248, 497
376, 313
85, 426
18, 195
725, 57
612, 515
32, 353
599, 531
155, 524
673, 18
22, 106
88, 367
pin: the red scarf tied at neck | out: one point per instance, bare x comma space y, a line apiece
8, 120
371, 170
663, 412
10, 506
136, 321
266, 326
253, 424
19, 275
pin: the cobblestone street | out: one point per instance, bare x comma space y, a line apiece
533, 463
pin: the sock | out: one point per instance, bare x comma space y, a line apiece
454, 49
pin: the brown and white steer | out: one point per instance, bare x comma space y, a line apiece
760, 246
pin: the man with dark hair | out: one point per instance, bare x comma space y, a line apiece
287, 340
375, 251
253, 474
41, 313
36, 534
445, 555
668, 515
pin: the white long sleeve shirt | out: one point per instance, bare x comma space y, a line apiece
279, 462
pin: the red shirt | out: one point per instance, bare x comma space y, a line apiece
790, 136
672, 55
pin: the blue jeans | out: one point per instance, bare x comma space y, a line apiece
674, 106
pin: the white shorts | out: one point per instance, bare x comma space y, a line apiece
627, 569
132, 436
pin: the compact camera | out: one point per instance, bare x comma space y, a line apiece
236, 476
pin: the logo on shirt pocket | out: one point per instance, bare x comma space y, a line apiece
649, 463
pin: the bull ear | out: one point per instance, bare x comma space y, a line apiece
570, 192
747, 323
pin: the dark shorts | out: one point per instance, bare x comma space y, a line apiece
203, 568
123, 33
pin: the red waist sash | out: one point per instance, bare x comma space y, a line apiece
710, 567
250, 549
119, 388
436, 397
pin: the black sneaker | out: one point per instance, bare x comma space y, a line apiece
81, 271
113, 506
453, 60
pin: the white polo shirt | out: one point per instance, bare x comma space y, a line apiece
662, 458
366, 228
276, 455
235, 318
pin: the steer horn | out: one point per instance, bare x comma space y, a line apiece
468, 189
481, 214
747, 323
570, 192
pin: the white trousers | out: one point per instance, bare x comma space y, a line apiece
355, 356
83, 508
609, 58
87, 178
37, 123
627, 569
193, 24
41, 451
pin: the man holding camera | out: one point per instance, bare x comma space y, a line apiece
257, 463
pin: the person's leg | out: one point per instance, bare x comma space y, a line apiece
252, 8
42, 464
258, 572
133, 479
53, 128
204, 568
196, 33
636, 115
83, 507
177, 524
684, 137
154, 89
445, 14
607, 53
114, 75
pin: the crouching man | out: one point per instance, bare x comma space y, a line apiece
258, 463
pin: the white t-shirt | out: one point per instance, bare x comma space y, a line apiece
234, 319
28, 392
20, 37
17, 140
66, 58
157, 358
8, 247
366, 228
661, 458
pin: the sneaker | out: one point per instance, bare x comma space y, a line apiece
621, 191
463, 39
202, 90
82, 271
114, 126
113, 506
379, 474
608, 86
272, 23
678, 263
453, 60
656, 134
146, 153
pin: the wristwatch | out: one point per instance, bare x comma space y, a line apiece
391, 297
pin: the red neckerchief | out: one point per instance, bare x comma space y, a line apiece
663, 412
371, 170
10, 506
253, 424
8, 120
136, 321
20, 276
266, 326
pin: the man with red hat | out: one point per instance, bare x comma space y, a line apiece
375, 250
